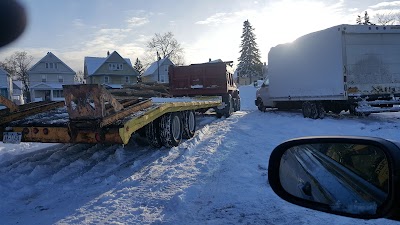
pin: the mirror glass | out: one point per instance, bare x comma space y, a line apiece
350, 178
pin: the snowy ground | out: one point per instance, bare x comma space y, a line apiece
217, 177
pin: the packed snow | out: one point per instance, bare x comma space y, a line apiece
217, 177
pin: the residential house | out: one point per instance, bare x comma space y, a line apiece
5, 84
18, 93
112, 71
47, 76
158, 71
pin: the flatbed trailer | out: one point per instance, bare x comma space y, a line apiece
91, 114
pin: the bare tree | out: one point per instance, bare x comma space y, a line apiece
388, 19
167, 47
79, 77
17, 65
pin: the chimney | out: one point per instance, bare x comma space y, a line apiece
108, 53
209, 59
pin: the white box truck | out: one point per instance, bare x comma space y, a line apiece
345, 67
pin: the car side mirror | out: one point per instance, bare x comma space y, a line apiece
349, 176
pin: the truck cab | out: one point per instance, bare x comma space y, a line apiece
263, 100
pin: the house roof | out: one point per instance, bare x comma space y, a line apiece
17, 84
93, 63
153, 67
215, 61
46, 86
2, 71
50, 54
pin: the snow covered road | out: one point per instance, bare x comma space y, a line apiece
217, 177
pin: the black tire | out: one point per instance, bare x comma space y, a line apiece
189, 124
314, 110
237, 104
152, 131
306, 109
353, 111
171, 129
229, 109
310, 110
261, 106
321, 110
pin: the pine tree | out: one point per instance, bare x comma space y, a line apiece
138, 66
366, 21
249, 61
358, 20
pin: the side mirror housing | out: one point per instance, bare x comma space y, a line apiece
344, 175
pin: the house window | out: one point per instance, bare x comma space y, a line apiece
56, 65
51, 65
60, 79
163, 78
115, 66
44, 78
127, 79
106, 79
47, 65
58, 94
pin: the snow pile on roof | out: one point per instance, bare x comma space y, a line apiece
153, 67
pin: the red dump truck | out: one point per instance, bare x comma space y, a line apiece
206, 79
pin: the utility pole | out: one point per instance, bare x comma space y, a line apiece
158, 67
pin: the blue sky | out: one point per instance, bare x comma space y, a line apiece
206, 29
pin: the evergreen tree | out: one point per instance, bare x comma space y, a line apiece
358, 20
249, 61
138, 66
366, 21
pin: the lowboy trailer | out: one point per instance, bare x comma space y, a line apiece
91, 114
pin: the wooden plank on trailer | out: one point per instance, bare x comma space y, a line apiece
125, 112
8, 103
34, 109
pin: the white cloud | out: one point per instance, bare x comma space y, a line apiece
386, 5
137, 21
354, 10
78, 23
217, 19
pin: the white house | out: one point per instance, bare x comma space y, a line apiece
5, 84
47, 76
18, 93
158, 71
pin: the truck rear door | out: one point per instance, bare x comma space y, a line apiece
373, 62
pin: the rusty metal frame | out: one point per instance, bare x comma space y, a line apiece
28, 110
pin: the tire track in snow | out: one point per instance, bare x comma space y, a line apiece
159, 185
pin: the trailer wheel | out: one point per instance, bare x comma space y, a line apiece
171, 129
189, 124
153, 134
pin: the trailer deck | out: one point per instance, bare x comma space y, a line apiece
92, 115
